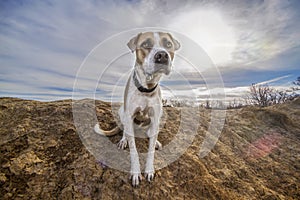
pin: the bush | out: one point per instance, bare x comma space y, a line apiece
264, 95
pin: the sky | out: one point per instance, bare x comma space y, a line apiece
49, 49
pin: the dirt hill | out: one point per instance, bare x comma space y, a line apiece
42, 157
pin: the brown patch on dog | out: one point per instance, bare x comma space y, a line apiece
151, 85
167, 37
143, 37
142, 117
132, 44
175, 42
171, 54
141, 52
140, 56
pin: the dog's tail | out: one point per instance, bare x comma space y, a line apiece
112, 132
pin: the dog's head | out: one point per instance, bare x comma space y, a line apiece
154, 53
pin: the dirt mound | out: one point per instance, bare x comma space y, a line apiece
42, 156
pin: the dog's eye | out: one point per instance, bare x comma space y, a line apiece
146, 45
168, 44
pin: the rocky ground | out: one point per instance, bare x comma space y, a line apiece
42, 156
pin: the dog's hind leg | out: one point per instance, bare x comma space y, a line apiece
158, 145
122, 144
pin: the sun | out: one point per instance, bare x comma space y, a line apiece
210, 31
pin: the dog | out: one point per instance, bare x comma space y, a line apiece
154, 52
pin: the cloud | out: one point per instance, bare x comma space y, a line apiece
264, 29
43, 43
273, 80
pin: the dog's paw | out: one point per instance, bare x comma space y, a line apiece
135, 178
158, 145
123, 143
149, 176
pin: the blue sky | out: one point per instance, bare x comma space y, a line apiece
43, 43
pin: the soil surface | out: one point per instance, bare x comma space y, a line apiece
43, 157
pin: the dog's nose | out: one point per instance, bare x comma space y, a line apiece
161, 57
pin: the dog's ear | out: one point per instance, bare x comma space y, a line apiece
132, 44
176, 43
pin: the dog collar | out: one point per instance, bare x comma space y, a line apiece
140, 87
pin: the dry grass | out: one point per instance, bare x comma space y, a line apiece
256, 157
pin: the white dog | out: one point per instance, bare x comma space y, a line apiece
142, 98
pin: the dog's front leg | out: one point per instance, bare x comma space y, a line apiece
152, 134
149, 170
135, 171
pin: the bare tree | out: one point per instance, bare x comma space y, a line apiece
207, 104
235, 104
165, 103
261, 94
297, 84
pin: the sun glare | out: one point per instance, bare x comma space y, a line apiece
210, 31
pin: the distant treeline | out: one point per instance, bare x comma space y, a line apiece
259, 95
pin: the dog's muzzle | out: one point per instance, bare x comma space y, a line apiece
161, 57
162, 62
159, 62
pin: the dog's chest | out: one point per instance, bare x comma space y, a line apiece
141, 116
143, 108
144, 101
